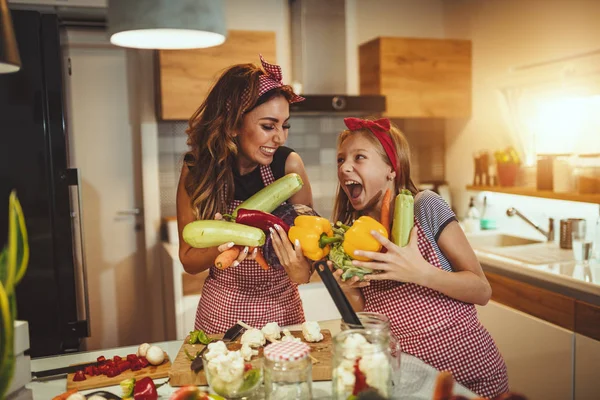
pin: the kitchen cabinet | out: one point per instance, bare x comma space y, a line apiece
185, 76
538, 354
587, 367
421, 78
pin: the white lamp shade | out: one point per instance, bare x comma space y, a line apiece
166, 24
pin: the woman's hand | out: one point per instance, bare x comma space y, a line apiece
402, 264
243, 253
291, 257
349, 284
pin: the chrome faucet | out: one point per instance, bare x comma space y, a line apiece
549, 233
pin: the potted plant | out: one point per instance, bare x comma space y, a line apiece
13, 264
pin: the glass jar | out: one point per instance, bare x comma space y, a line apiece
361, 361
287, 371
562, 173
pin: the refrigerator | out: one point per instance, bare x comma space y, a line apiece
34, 160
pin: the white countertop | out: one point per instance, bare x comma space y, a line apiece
417, 378
567, 273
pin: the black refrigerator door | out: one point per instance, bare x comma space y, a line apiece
34, 162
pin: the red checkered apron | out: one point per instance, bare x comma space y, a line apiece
441, 331
247, 292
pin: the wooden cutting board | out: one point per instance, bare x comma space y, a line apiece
181, 374
92, 382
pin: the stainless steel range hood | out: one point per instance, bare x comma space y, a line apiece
318, 34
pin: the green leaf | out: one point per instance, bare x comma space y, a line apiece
7, 358
22, 242
203, 338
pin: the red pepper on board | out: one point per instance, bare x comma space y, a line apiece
260, 220
189, 393
79, 376
360, 382
145, 389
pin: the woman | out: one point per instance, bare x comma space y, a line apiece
236, 139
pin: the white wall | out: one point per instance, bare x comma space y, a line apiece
506, 34
368, 19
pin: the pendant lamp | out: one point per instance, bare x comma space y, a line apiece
10, 61
166, 24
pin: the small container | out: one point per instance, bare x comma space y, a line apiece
567, 226
562, 173
288, 371
587, 174
545, 179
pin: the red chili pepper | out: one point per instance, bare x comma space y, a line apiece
360, 380
101, 359
260, 220
145, 389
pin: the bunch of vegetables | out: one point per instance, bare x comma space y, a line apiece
358, 236
247, 225
13, 264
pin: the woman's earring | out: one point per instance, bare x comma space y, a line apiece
390, 178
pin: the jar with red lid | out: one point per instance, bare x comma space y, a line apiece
287, 371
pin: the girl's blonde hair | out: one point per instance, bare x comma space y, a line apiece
213, 147
342, 208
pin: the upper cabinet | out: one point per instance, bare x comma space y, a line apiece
421, 78
186, 76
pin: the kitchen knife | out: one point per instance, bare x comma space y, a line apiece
231, 334
57, 373
336, 293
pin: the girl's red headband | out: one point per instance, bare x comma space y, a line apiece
380, 129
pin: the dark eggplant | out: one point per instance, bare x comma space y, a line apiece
287, 213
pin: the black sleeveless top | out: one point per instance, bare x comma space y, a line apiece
251, 183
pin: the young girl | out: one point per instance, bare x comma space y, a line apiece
428, 288
236, 148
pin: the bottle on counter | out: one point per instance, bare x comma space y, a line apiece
487, 221
288, 371
472, 222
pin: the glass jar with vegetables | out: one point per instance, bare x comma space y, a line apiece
361, 362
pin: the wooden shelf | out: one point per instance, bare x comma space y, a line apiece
521, 191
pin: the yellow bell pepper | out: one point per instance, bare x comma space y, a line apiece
314, 234
359, 237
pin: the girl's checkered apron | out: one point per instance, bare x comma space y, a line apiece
439, 330
247, 292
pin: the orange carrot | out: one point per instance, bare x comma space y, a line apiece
385, 209
65, 395
443, 386
226, 258
260, 259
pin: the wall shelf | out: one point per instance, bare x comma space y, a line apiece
532, 192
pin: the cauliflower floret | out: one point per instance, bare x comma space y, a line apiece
271, 331
353, 346
312, 331
247, 352
376, 368
345, 377
253, 338
215, 349
288, 337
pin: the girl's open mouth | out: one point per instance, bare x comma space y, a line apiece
354, 188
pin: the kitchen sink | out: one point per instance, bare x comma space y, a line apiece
499, 240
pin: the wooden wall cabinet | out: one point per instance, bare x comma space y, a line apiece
184, 77
421, 78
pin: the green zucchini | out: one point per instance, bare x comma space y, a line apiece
404, 212
211, 233
271, 196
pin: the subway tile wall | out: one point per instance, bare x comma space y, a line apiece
314, 139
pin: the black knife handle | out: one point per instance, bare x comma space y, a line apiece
335, 291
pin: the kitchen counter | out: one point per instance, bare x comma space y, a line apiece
417, 378
563, 277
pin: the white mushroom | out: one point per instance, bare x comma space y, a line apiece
253, 338
155, 355
143, 349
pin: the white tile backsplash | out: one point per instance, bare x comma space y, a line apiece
328, 156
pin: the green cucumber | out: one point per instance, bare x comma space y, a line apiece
271, 196
211, 233
404, 212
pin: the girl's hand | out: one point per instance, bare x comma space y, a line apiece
291, 257
349, 284
402, 264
